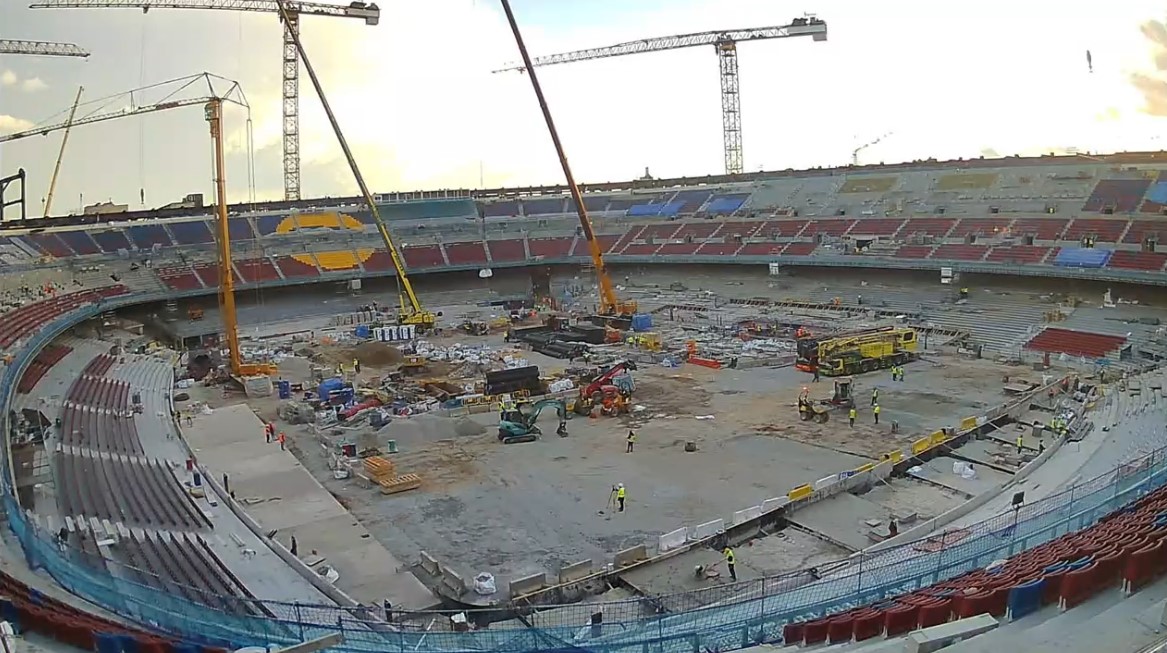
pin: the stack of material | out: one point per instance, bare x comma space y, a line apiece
383, 472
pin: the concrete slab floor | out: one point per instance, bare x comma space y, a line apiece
939, 470
282, 496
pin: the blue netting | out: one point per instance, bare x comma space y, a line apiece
719, 618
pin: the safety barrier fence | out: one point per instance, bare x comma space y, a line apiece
739, 615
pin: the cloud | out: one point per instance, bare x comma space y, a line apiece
10, 124
30, 85
33, 84
1152, 85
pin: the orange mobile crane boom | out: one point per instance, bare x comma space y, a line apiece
616, 312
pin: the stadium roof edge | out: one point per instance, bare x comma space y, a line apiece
1118, 158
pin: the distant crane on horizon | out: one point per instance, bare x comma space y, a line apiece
725, 44
876, 141
368, 12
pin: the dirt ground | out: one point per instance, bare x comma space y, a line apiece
520, 509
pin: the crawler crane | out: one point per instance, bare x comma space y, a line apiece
411, 310
613, 311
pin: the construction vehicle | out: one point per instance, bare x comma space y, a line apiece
857, 352
606, 387
613, 312
819, 411
410, 310
412, 365
519, 426
475, 327
194, 314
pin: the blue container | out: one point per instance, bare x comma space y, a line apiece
362, 331
642, 322
284, 389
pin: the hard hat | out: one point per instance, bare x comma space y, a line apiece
619, 485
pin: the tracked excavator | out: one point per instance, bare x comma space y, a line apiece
518, 425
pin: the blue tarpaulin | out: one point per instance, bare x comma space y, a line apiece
1158, 192
666, 210
1082, 258
722, 205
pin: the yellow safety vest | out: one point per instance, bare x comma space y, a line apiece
851, 414
729, 556
620, 493
876, 409
632, 437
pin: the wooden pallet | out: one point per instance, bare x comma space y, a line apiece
402, 483
380, 468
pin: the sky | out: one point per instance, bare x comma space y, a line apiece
418, 102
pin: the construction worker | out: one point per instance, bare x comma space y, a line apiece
356, 366
816, 373
283, 439
875, 412
851, 416
874, 396
620, 497
631, 440
1020, 444
895, 373
730, 561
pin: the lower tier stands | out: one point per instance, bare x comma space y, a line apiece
26, 320
179, 278
473, 253
506, 250
44, 361
550, 247
299, 266
425, 256
936, 227
1040, 228
960, 252
127, 489
185, 566
1018, 254
1075, 343
1124, 550
1149, 261
1099, 229
256, 270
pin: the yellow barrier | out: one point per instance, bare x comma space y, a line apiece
800, 492
939, 437
968, 424
921, 445
864, 468
895, 456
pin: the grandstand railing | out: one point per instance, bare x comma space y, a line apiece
722, 618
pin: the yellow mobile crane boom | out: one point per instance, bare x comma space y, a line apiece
61, 153
618, 312
411, 310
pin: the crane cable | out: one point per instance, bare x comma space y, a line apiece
142, 123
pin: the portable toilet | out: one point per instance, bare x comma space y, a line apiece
284, 389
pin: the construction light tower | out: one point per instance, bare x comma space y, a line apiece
368, 12
725, 44
42, 48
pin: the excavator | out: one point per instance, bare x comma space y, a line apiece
613, 312
605, 391
519, 426
819, 411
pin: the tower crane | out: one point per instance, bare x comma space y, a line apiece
724, 43
212, 99
42, 48
615, 312
290, 16
411, 310
872, 143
